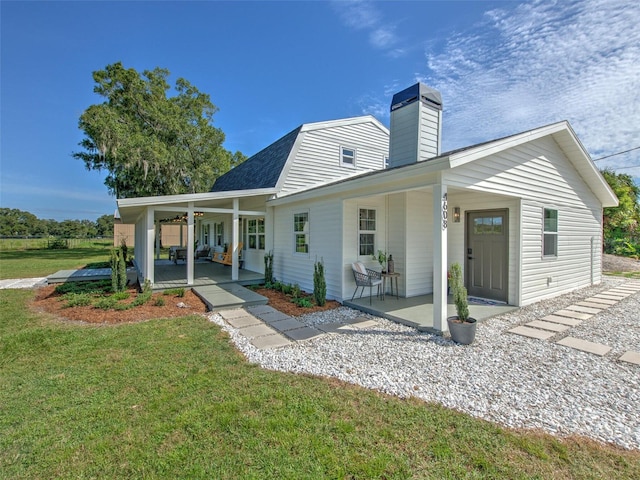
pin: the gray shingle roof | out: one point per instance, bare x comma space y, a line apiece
262, 170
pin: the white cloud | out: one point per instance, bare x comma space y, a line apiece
543, 62
363, 15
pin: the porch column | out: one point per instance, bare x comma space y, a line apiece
157, 239
149, 243
440, 257
190, 241
235, 239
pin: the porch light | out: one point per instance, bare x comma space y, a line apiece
456, 214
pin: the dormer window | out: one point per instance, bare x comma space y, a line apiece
348, 156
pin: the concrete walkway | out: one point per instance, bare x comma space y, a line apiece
266, 327
23, 282
573, 315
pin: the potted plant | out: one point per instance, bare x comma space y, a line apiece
462, 327
381, 257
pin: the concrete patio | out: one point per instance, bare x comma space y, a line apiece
418, 311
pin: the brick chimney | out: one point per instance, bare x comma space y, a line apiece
416, 125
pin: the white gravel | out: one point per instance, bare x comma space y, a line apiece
502, 377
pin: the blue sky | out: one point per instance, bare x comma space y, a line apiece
502, 67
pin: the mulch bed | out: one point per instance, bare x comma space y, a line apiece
49, 301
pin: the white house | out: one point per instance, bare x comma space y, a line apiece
521, 214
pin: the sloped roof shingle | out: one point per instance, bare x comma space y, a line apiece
262, 170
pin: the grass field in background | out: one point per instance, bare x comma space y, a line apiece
24, 259
174, 399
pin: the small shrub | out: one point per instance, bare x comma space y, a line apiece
319, 284
124, 249
277, 286
122, 306
159, 302
302, 302
268, 268
77, 300
286, 288
106, 303
96, 287
57, 244
120, 295
178, 292
142, 298
296, 292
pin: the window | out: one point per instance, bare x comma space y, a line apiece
348, 156
301, 232
218, 234
255, 233
205, 234
385, 162
366, 231
550, 233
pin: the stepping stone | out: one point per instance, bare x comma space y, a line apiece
304, 333
259, 309
287, 324
266, 342
585, 346
233, 313
271, 317
628, 290
365, 324
256, 331
631, 357
359, 319
531, 332
603, 301
607, 296
554, 327
578, 308
599, 306
242, 322
617, 293
572, 322
570, 314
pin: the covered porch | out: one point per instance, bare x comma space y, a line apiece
418, 311
171, 275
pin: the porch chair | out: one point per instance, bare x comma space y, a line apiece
226, 257
203, 251
365, 277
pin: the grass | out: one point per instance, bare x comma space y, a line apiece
40, 262
173, 399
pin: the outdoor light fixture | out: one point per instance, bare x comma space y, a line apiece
456, 214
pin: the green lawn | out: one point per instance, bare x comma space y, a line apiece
18, 262
173, 399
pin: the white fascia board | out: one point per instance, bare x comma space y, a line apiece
587, 169
191, 197
307, 127
374, 179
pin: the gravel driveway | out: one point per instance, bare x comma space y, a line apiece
512, 380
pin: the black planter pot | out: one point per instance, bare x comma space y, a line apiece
462, 332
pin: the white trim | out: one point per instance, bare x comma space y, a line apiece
353, 158
191, 197
545, 232
306, 232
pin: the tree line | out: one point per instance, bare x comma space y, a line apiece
18, 223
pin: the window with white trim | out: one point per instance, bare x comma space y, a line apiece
366, 231
550, 233
218, 234
348, 156
385, 162
255, 234
301, 232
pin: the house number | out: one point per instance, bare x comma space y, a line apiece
444, 211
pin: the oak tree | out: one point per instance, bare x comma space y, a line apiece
148, 142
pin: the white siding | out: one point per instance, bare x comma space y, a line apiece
318, 159
324, 244
540, 174
419, 218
